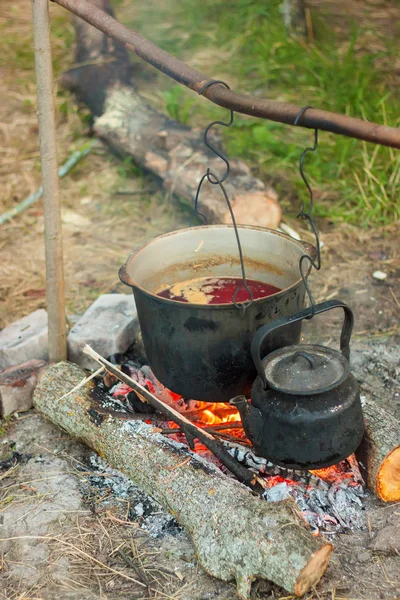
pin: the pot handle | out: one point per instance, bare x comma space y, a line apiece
306, 313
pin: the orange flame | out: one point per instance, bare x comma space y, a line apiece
217, 413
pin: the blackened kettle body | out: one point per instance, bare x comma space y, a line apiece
305, 410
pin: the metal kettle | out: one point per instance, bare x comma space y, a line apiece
305, 410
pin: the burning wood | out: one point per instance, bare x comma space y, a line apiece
330, 499
236, 535
380, 451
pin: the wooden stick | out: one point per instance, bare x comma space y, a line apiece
55, 293
83, 382
190, 429
268, 109
65, 168
211, 428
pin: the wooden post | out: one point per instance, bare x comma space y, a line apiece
52, 209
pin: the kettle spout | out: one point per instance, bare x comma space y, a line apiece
240, 402
252, 419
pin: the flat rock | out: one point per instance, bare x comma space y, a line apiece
24, 340
109, 326
17, 384
387, 540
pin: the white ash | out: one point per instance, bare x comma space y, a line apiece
328, 507
264, 466
104, 396
114, 488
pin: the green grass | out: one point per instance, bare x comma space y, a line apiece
354, 181
5, 425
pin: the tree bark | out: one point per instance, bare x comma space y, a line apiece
236, 535
380, 451
293, 12
172, 152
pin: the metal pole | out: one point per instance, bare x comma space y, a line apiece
52, 208
282, 112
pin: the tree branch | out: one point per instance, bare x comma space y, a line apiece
268, 109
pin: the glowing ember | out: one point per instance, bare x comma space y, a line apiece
341, 472
330, 499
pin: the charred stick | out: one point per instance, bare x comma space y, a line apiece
211, 429
235, 425
139, 573
190, 430
268, 109
231, 438
196, 413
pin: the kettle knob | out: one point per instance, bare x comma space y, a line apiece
302, 354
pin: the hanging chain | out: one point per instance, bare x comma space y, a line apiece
214, 180
307, 216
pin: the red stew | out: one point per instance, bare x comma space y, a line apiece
217, 290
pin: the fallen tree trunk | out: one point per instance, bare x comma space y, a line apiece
380, 451
172, 152
236, 535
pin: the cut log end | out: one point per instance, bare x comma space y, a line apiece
388, 479
314, 570
379, 451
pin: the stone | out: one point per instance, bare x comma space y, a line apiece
364, 556
387, 540
24, 340
17, 384
109, 326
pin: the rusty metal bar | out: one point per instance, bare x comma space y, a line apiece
57, 343
268, 109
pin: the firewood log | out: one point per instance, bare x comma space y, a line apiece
175, 154
237, 536
380, 451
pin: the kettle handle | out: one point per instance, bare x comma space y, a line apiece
306, 313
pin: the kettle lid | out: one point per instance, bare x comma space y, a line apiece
305, 369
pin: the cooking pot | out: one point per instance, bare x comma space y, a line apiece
203, 351
305, 410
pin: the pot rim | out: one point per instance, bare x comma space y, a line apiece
127, 280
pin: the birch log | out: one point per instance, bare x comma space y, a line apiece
174, 153
380, 451
237, 536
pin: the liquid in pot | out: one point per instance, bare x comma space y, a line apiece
216, 290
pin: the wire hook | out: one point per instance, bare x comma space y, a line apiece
210, 176
316, 264
214, 180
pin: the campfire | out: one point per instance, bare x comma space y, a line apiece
330, 499
277, 526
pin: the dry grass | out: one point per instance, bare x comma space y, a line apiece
98, 556
100, 227
96, 553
